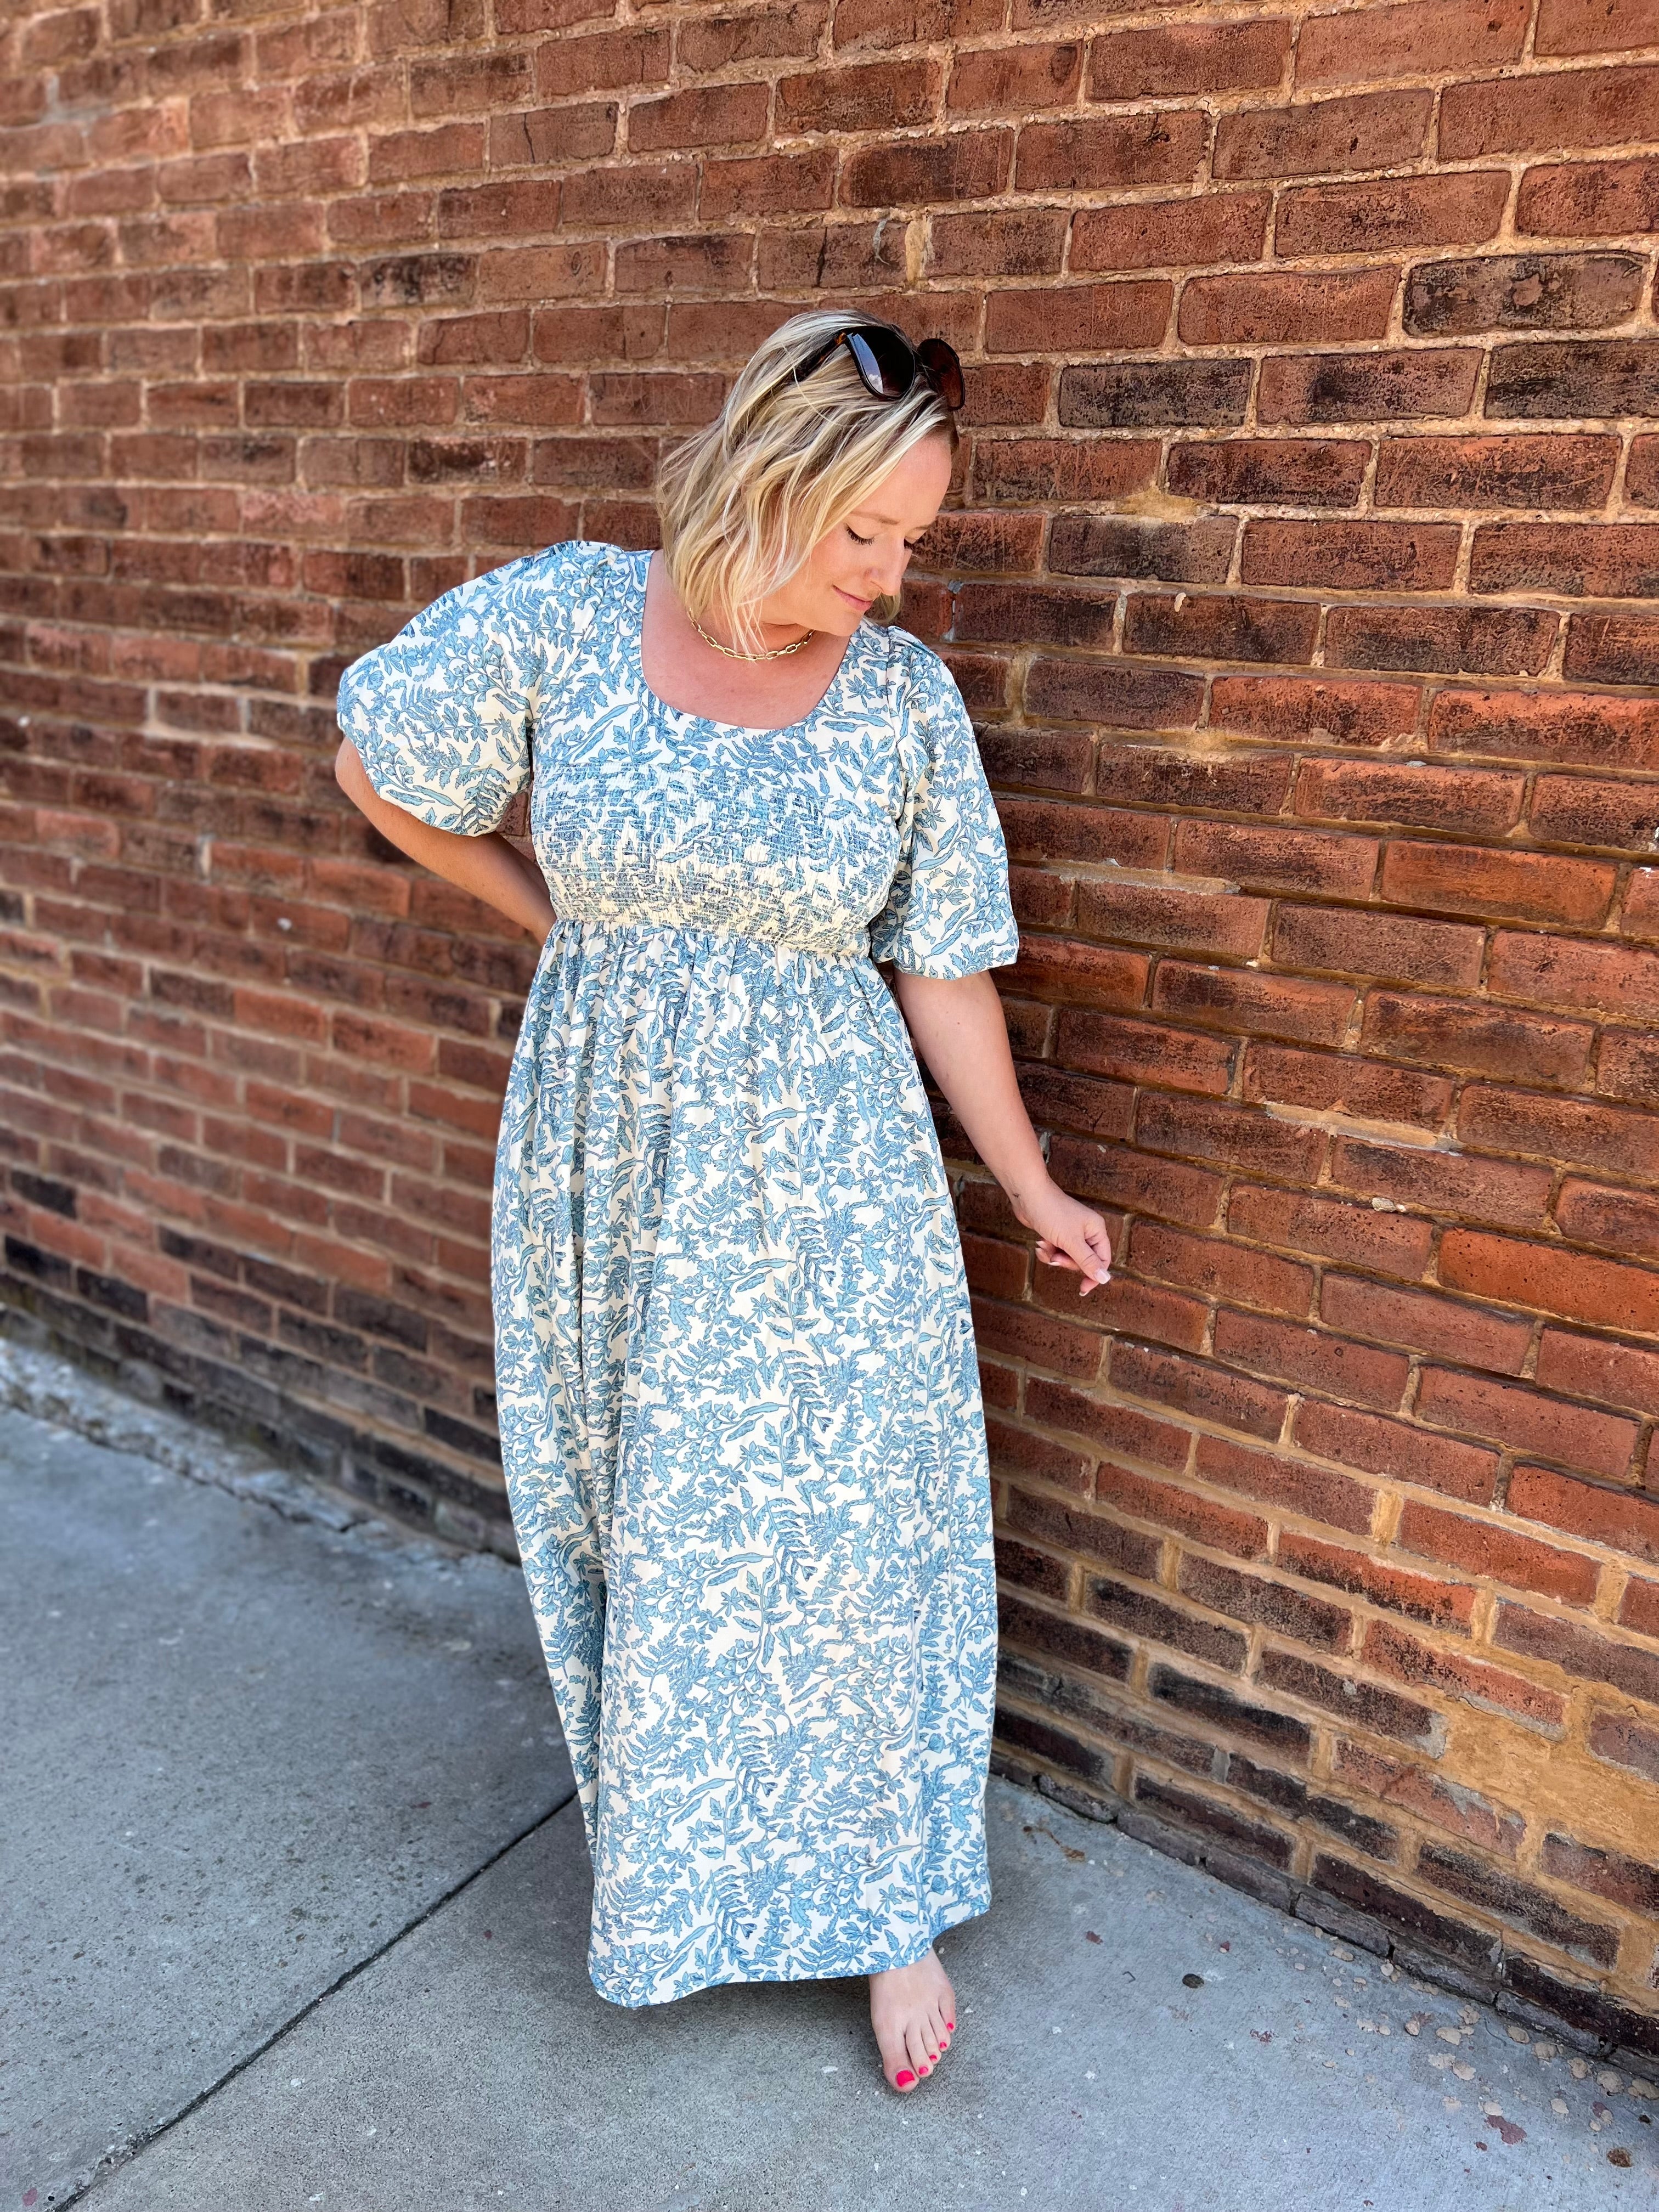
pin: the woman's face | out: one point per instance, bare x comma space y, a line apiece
867, 555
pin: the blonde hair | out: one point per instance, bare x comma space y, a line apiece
744, 500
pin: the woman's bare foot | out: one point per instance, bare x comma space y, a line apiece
913, 2010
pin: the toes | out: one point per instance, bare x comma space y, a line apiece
896, 2062
915, 2042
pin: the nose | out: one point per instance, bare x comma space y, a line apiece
886, 572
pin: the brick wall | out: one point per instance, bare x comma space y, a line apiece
1301, 581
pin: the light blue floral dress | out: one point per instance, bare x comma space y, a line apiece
739, 1405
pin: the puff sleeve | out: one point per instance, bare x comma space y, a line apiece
441, 715
948, 912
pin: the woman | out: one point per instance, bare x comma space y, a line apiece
740, 1407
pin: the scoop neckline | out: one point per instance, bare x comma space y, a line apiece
641, 569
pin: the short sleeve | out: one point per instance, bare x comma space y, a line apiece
441, 714
948, 912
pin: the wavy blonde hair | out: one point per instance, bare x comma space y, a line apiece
743, 501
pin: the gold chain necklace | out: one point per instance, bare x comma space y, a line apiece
730, 651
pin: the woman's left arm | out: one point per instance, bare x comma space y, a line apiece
958, 1029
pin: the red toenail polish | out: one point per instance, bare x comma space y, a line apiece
927, 2069
904, 2080
951, 2025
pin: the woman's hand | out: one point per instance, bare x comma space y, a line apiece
1069, 1234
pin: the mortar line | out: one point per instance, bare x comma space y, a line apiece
112, 2162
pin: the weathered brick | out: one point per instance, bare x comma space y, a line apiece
1393, 1449
1420, 37
1367, 388
1270, 471
1496, 1549
1455, 1674
1092, 154
1185, 59
1359, 1704
1371, 130
1570, 108
1286, 310
1553, 472
1464, 209
1186, 233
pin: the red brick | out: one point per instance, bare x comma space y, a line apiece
1016, 80
1338, 1230
1393, 1449
1606, 648
1286, 310
1425, 1324
1407, 1659
1197, 1389
1317, 1013
1593, 27
1452, 1034
1144, 913
1412, 1175
1572, 1286
1591, 1367
602, 61
1276, 859
1412, 1789
1359, 1704
1626, 1521
1494, 1549
1639, 1608
1589, 199
1513, 471
1014, 242
1093, 153
1421, 1597
1570, 108
1274, 1605
1323, 712
1211, 627
1522, 291
1167, 64
1207, 1129
1538, 886
1464, 209
1471, 800
1579, 1649
1557, 972
1627, 1066
1512, 1415
1620, 1220
1572, 1129
721, 115
1317, 1493
1026, 469
1312, 1356
1373, 130
1066, 1528
1220, 226
1449, 641
1244, 1536
1421, 39
965, 165
1601, 561
1136, 1051
1367, 388
870, 96
1547, 725
1350, 556
1625, 1742
1218, 1269
1107, 1422
1072, 318
1269, 472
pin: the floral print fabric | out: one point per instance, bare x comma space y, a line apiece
739, 1405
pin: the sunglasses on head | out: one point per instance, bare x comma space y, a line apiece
889, 364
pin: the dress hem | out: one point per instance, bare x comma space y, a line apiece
952, 1916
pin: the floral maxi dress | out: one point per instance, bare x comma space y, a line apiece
740, 1415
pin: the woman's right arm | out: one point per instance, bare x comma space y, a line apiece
487, 866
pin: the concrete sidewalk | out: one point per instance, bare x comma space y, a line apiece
294, 1914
